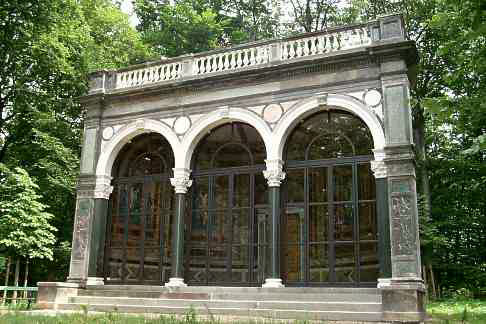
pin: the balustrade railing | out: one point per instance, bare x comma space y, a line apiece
151, 74
325, 43
231, 60
255, 55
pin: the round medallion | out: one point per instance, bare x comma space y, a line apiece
108, 133
272, 113
181, 124
372, 97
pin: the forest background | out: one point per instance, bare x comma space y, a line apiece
48, 47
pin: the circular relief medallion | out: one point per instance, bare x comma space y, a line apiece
272, 113
108, 133
181, 124
372, 97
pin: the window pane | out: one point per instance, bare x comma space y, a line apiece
367, 221
366, 183
295, 262
295, 186
241, 190
295, 224
343, 183
220, 227
318, 220
343, 222
318, 185
319, 268
345, 263
240, 226
261, 193
200, 193
221, 191
368, 262
240, 264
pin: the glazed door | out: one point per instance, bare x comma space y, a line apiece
329, 225
227, 238
138, 240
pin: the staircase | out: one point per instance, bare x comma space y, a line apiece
332, 304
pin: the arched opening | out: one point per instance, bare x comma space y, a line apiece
227, 220
329, 224
140, 213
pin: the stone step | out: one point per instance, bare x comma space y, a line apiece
238, 293
267, 313
338, 297
242, 304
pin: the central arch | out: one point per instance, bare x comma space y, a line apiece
228, 215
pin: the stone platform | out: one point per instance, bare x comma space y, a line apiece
329, 304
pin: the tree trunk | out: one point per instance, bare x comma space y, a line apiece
26, 277
16, 281
432, 281
7, 274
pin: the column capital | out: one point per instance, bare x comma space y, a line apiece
379, 169
274, 172
97, 187
181, 181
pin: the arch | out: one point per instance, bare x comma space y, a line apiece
125, 134
217, 118
308, 106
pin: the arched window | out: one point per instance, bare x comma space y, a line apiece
140, 213
230, 145
329, 219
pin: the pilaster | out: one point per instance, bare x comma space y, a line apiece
89, 230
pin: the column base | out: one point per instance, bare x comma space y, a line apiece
273, 283
95, 281
176, 282
402, 299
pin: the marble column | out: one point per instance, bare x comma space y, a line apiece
181, 184
274, 175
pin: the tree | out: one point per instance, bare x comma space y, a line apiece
24, 225
47, 49
176, 29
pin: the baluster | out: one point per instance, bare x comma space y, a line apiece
220, 62
299, 48
291, 49
207, 66
252, 56
306, 46
245, 53
226, 64
313, 47
214, 64
232, 60
238, 59
174, 70
285, 51
321, 44
195, 66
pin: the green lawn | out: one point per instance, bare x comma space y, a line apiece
457, 311
449, 311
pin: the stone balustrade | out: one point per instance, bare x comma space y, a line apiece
247, 56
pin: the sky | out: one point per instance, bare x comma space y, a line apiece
127, 8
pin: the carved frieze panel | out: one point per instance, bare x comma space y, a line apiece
81, 228
403, 216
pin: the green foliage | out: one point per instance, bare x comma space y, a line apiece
176, 29
464, 310
24, 226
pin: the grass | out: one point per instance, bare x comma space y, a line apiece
458, 311
446, 311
